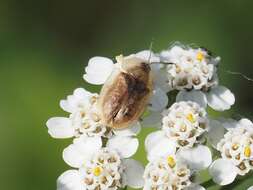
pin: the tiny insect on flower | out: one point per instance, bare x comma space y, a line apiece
126, 92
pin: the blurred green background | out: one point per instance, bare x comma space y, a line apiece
45, 45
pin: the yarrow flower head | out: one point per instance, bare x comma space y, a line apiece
183, 125
194, 73
83, 119
169, 168
100, 167
104, 171
173, 160
164, 174
236, 148
184, 122
190, 68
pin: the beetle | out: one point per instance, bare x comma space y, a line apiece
125, 94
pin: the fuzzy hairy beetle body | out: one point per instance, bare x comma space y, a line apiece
126, 92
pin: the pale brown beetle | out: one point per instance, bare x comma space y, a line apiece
126, 92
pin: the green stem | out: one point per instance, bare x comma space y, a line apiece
208, 183
104, 141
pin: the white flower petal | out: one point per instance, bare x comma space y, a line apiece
148, 56
152, 139
228, 123
72, 103
198, 158
194, 96
154, 119
159, 100
158, 145
195, 187
160, 77
223, 171
133, 173
82, 149
125, 146
98, 70
132, 130
64, 104
246, 122
73, 157
81, 92
70, 180
168, 55
220, 98
60, 127
216, 132
250, 188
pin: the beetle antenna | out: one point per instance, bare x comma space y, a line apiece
150, 54
240, 74
163, 63
150, 50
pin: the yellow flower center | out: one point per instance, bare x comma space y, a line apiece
200, 56
247, 151
97, 171
171, 161
191, 118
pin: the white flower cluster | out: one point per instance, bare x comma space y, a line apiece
99, 167
236, 148
166, 174
178, 150
194, 73
171, 168
190, 68
184, 122
237, 145
104, 171
83, 118
175, 152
